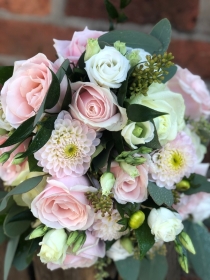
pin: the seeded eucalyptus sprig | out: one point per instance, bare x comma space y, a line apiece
149, 72
100, 202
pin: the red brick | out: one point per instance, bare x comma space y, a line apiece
194, 55
27, 39
37, 7
181, 13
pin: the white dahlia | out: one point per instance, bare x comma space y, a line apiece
69, 149
107, 227
174, 161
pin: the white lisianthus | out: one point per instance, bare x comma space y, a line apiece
54, 246
138, 133
161, 99
117, 252
107, 181
164, 224
108, 68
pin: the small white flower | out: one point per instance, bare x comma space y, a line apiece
108, 68
117, 252
107, 181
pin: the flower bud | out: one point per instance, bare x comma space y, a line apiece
183, 185
91, 48
186, 242
107, 181
136, 219
135, 160
18, 159
79, 242
4, 157
127, 244
184, 263
121, 47
178, 248
72, 237
133, 57
38, 232
129, 169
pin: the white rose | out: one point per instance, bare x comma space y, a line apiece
107, 68
164, 224
54, 246
138, 133
117, 252
161, 99
4, 125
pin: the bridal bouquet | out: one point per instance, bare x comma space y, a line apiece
101, 156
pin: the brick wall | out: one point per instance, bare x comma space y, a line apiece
28, 26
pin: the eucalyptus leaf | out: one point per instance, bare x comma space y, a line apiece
25, 186
141, 113
171, 72
111, 10
10, 253
124, 3
3, 237
133, 39
128, 268
160, 195
5, 73
21, 133
200, 237
198, 183
162, 31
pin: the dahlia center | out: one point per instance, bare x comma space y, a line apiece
71, 151
176, 160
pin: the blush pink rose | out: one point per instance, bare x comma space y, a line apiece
92, 249
97, 107
127, 188
73, 49
8, 171
194, 92
23, 93
63, 204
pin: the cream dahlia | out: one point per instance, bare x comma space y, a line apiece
69, 149
107, 227
174, 161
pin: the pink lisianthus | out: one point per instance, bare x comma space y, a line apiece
127, 188
194, 92
97, 107
73, 49
8, 171
92, 249
63, 204
23, 93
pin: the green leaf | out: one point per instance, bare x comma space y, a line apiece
67, 97
111, 10
5, 73
144, 237
200, 237
53, 93
33, 167
162, 31
124, 88
155, 268
160, 195
25, 186
3, 237
133, 39
154, 144
121, 18
102, 159
141, 113
21, 133
42, 136
10, 253
81, 61
124, 3
2, 194
118, 141
171, 72
62, 70
128, 268
198, 183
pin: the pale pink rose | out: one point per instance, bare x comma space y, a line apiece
201, 168
197, 205
93, 249
23, 93
97, 107
63, 204
73, 49
194, 92
127, 188
8, 171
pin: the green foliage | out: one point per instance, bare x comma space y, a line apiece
121, 96
160, 195
171, 72
111, 10
65, 67
162, 31
102, 159
124, 3
25, 186
5, 73
128, 268
118, 141
67, 98
10, 253
33, 167
141, 113
154, 143
198, 183
200, 237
